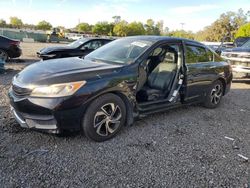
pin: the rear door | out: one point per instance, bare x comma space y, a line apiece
199, 71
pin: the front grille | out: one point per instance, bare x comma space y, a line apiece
20, 91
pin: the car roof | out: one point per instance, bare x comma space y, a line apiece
164, 38
7, 38
95, 38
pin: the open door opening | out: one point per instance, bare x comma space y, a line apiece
163, 78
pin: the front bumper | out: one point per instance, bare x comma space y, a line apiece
52, 115
48, 124
241, 69
240, 65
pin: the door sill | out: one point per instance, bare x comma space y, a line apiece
156, 106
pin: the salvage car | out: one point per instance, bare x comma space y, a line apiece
116, 84
78, 48
239, 58
9, 48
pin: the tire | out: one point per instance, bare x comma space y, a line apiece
214, 95
104, 117
4, 55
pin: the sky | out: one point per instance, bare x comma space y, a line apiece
194, 14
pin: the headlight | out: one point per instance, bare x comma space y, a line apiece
57, 90
48, 55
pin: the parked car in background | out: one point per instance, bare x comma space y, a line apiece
239, 58
218, 47
213, 45
126, 79
9, 48
238, 42
79, 48
73, 36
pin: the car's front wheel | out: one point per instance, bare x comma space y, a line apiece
214, 95
3, 55
104, 117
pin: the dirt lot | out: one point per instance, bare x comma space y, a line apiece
185, 147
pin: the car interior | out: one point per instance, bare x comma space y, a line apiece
161, 68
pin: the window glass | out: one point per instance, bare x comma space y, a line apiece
93, 45
77, 43
167, 52
124, 50
195, 54
105, 41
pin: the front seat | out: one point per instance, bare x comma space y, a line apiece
160, 80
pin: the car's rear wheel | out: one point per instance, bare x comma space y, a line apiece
104, 117
3, 55
214, 95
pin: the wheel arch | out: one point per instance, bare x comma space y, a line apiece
129, 107
223, 81
124, 98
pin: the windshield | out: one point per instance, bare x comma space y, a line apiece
246, 44
123, 51
77, 43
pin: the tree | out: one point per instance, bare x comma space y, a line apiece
160, 25
16, 22
121, 29
117, 19
102, 28
83, 27
135, 28
29, 26
244, 31
43, 25
151, 28
224, 28
3, 23
182, 34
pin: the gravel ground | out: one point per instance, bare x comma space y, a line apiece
185, 147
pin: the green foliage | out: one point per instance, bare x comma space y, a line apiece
151, 28
244, 31
182, 34
224, 28
29, 26
43, 25
135, 28
121, 29
83, 27
117, 19
3, 23
102, 28
16, 22
160, 25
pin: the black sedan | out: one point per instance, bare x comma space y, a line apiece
116, 84
9, 48
79, 48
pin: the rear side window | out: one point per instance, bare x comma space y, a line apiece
93, 45
197, 54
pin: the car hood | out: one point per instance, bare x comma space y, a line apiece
64, 70
54, 49
238, 49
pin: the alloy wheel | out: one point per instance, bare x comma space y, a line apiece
216, 94
107, 119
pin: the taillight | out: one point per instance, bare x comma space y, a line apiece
16, 43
